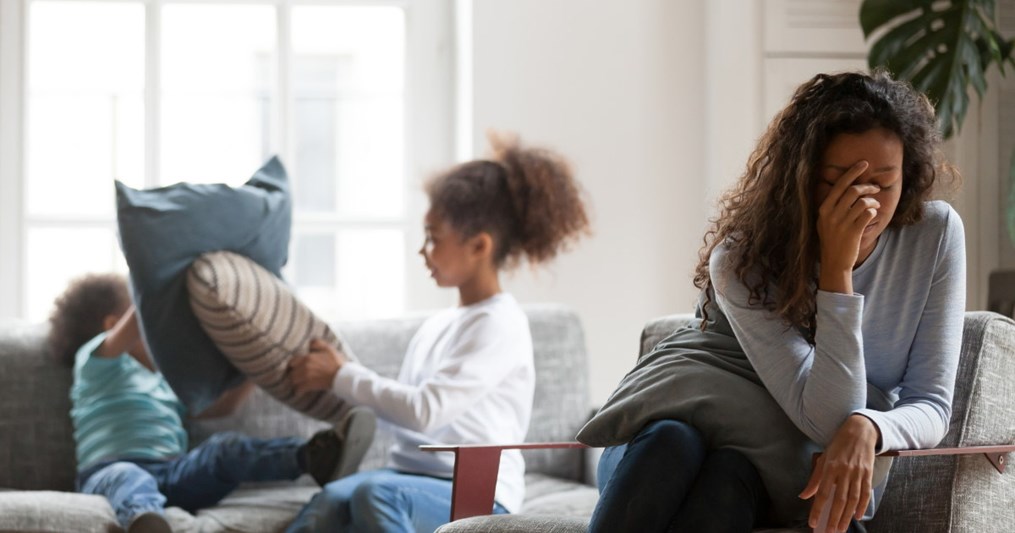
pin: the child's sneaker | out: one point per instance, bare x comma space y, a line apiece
149, 522
335, 453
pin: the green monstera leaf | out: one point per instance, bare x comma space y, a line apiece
941, 46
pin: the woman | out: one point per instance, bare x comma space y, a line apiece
830, 320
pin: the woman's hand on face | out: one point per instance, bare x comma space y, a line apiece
846, 467
842, 217
316, 370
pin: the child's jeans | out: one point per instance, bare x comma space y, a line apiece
197, 479
382, 501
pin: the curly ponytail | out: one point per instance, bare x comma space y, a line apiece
526, 198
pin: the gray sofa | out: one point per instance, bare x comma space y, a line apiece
933, 494
37, 464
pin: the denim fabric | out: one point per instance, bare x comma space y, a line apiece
666, 480
380, 501
197, 479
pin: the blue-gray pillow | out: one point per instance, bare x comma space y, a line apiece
162, 231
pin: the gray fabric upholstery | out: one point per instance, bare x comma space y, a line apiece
939, 494
948, 493
967, 492
37, 445
36, 436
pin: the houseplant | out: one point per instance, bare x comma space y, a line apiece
941, 47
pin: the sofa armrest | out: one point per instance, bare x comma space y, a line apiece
474, 480
994, 454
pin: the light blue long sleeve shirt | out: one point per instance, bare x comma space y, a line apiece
900, 331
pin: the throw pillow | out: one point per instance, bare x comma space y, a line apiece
259, 325
162, 231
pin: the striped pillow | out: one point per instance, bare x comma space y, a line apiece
259, 325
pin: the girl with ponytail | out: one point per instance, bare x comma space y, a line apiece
468, 375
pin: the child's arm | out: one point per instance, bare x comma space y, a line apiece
125, 336
228, 402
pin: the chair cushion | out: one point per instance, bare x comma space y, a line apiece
162, 231
55, 511
259, 325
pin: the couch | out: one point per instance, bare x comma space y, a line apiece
37, 464
951, 491
947, 493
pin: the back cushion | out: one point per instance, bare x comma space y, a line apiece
36, 435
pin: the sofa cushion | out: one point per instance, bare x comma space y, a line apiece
36, 435
259, 325
162, 231
56, 511
255, 508
969, 493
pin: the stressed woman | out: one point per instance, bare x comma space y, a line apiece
830, 319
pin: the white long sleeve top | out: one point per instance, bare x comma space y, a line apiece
467, 378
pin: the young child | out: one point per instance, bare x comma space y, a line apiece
468, 375
128, 424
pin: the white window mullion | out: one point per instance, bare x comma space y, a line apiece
152, 92
282, 133
13, 20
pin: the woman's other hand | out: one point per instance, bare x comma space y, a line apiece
846, 467
316, 370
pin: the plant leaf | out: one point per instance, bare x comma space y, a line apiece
1011, 199
941, 46
877, 13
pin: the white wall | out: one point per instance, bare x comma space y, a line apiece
618, 87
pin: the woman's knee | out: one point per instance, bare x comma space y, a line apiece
732, 464
729, 475
669, 434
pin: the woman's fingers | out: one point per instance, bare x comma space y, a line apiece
845, 181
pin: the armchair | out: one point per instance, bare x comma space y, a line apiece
945, 489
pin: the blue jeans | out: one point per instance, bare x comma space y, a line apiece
381, 501
666, 480
197, 479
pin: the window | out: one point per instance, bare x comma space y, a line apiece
154, 92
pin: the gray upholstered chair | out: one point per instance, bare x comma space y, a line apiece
952, 488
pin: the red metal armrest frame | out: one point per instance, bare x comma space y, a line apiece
475, 473
476, 467
994, 454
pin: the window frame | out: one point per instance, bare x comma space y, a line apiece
429, 129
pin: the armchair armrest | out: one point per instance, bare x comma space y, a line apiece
994, 454
474, 478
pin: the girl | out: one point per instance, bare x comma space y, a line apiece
830, 317
467, 376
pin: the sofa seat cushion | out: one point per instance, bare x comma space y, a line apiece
253, 508
260, 508
45, 510
555, 496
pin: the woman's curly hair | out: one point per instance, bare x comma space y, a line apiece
78, 313
768, 219
527, 199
